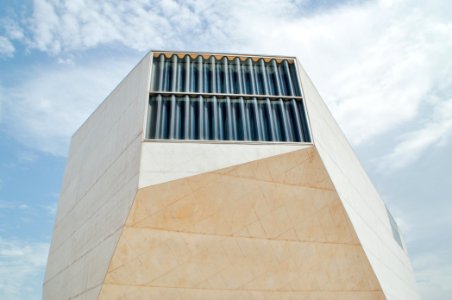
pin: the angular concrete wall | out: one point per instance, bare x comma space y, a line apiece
281, 221
364, 206
163, 161
100, 183
269, 229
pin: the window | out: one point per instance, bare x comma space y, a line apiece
395, 229
194, 97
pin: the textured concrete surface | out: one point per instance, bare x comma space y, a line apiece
143, 220
362, 202
100, 183
270, 228
165, 161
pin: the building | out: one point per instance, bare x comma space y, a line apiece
220, 176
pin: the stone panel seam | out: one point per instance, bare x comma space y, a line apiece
249, 290
117, 242
217, 173
84, 254
354, 187
84, 292
195, 173
388, 268
75, 155
97, 180
276, 182
272, 242
224, 237
350, 148
384, 241
88, 218
344, 209
366, 249
258, 218
242, 237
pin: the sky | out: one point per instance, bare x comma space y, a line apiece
384, 68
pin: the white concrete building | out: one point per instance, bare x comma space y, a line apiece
219, 176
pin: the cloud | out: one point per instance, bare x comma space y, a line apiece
4, 205
48, 104
6, 47
51, 209
376, 63
413, 144
27, 156
433, 276
10, 30
13, 211
21, 268
61, 26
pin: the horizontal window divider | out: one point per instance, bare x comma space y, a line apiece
191, 141
223, 95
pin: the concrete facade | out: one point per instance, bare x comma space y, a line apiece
144, 219
100, 183
364, 206
273, 227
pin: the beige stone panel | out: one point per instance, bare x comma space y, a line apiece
163, 161
238, 263
124, 292
223, 204
302, 167
236, 230
150, 201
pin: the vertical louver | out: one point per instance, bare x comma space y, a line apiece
200, 97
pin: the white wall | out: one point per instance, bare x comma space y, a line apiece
165, 161
100, 183
361, 201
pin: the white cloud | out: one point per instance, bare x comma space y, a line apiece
433, 276
11, 27
26, 156
6, 47
49, 104
414, 144
51, 209
21, 262
59, 26
4, 205
376, 63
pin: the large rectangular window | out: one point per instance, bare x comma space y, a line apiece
199, 97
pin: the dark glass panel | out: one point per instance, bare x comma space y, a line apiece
212, 118
229, 118
210, 75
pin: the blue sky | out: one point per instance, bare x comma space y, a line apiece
383, 67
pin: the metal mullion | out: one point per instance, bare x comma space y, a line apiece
245, 96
